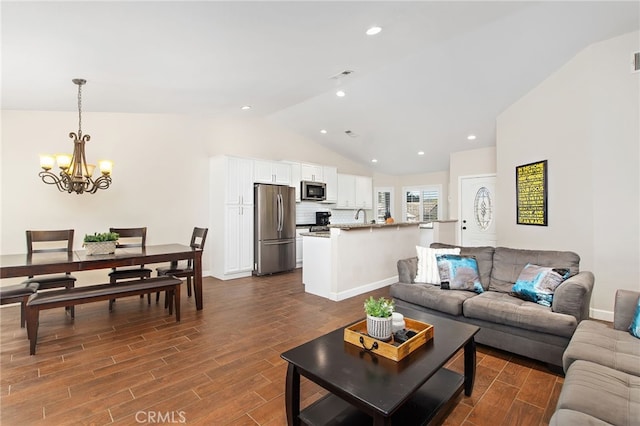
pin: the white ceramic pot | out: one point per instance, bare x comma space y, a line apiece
379, 328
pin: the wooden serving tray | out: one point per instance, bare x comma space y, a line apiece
356, 334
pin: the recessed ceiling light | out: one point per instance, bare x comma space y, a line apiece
420, 152
471, 137
374, 30
245, 107
323, 131
374, 160
340, 93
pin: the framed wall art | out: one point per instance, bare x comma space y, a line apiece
531, 194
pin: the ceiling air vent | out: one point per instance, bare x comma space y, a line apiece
341, 74
636, 62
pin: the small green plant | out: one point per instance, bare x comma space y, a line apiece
381, 308
104, 236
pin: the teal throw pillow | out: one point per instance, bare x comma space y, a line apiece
634, 328
538, 283
459, 273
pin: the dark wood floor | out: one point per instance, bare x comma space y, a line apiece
221, 365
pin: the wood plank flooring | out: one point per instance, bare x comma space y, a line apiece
218, 366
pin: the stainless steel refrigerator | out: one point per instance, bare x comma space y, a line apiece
274, 228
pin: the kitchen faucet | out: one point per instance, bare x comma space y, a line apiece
364, 212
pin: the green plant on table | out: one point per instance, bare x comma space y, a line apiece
381, 308
101, 237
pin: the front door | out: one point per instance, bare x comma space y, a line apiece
477, 211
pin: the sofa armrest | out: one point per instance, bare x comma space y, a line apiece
407, 270
625, 308
573, 296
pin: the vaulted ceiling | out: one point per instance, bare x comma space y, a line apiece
436, 73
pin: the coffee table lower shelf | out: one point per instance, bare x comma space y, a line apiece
424, 405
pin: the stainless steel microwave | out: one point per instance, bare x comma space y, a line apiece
313, 191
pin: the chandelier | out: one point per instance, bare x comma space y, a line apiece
75, 173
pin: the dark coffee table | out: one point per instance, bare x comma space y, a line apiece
366, 388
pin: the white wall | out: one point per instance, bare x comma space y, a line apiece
583, 119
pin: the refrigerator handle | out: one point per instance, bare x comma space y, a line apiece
280, 213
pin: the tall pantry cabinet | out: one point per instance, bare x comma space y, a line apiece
231, 217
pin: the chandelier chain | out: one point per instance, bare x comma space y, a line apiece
79, 110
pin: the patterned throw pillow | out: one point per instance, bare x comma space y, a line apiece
428, 265
634, 328
538, 283
459, 273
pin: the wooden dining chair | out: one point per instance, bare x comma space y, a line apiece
51, 241
130, 238
185, 269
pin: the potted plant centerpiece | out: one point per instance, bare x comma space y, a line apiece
379, 317
101, 243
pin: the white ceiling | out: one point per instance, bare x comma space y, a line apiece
437, 72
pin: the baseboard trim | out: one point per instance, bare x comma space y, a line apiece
362, 289
601, 314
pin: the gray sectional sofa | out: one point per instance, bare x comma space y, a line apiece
506, 322
602, 367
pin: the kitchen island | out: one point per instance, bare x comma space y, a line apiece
355, 258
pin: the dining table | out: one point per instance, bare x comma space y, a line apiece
26, 265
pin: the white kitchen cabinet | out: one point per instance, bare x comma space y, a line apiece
311, 172
346, 191
364, 192
230, 238
238, 243
330, 176
275, 172
354, 192
239, 180
295, 179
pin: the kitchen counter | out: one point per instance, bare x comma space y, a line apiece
321, 234
354, 226
345, 263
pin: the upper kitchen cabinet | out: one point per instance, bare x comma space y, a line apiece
364, 192
238, 179
272, 172
354, 192
311, 172
330, 176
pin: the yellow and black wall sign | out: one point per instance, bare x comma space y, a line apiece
531, 194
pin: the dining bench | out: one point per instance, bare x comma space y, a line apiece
94, 293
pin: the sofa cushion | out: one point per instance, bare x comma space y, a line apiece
432, 297
538, 283
504, 309
508, 263
459, 273
483, 255
601, 392
597, 342
428, 272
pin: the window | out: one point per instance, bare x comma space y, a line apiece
384, 203
421, 204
